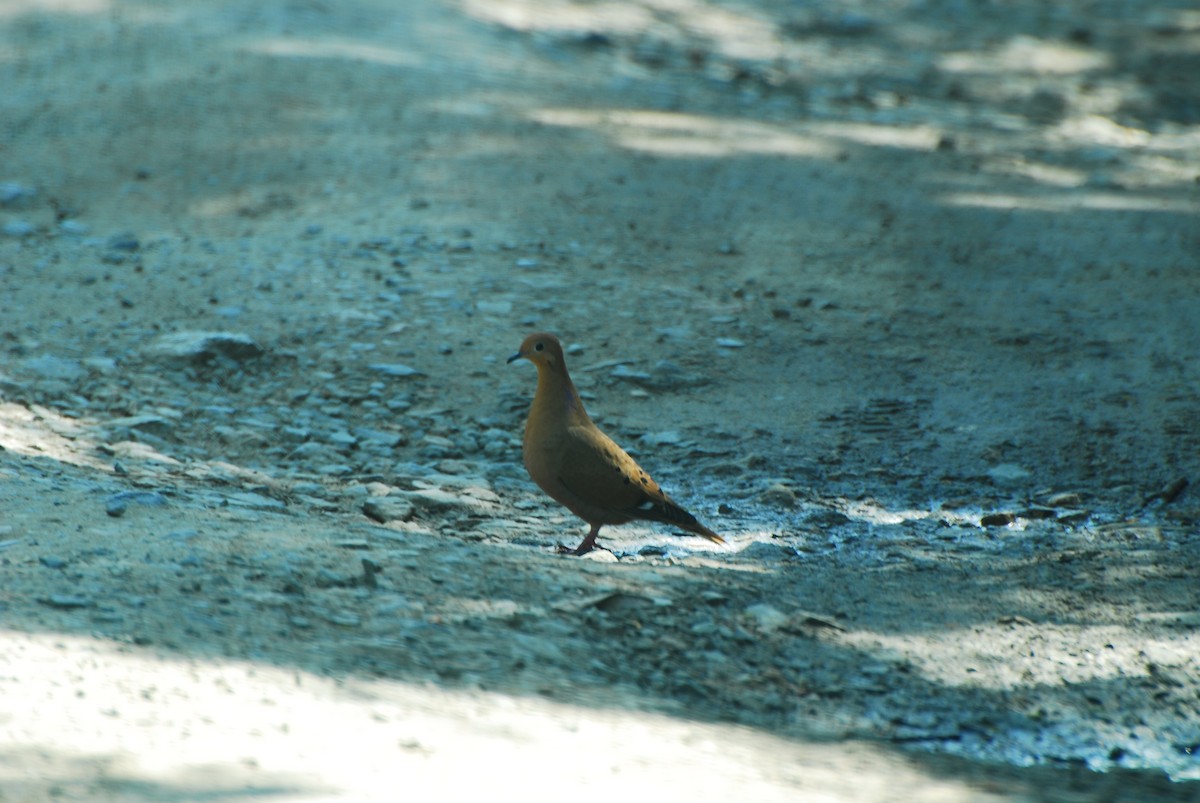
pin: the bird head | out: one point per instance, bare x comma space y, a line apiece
541, 349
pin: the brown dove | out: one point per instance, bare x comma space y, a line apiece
579, 466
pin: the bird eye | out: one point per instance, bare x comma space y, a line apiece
538, 347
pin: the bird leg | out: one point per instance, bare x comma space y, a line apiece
587, 545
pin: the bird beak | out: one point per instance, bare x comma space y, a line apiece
515, 357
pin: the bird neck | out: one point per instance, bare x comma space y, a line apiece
556, 398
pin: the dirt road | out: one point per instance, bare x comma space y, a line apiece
899, 298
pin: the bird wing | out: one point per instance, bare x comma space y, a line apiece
603, 475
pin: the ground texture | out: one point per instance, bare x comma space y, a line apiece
899, 297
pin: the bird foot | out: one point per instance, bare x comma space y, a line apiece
582, 549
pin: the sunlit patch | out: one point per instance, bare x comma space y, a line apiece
536, 15
12, 8
1042, 173
1026, 54
186, 726
915, 138
1050, 202
37, 431
40, 432
1005, 656
676, 134
734, 33
334, 49
1094, 129
877, 514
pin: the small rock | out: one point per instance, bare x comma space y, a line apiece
51, 562
117, 504
154, 424
1064, 499
101, 365
327, 578
997, 520
126, 241
343, 618
371, 570
778, 495
12, 193
310, 489
66, 601
767, 618
629, 374
396, 370
654, 439
387, 508
495, 307
440, 500
1008, 475
202, 346
768, 552
48, 366
1034, 512
1074, 516
253, 501
667, 375
18, 228
730, 343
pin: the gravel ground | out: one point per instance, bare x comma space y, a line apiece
897, 298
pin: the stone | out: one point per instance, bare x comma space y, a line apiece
202, 346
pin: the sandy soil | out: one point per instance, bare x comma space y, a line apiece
899, 297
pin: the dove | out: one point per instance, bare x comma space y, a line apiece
579, 466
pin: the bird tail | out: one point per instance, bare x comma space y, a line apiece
700, 529
666, 511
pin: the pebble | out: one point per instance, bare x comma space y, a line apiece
66, 601
730, 343
48, 366
253, 501
51, 562
778, 495
768, 552
495, 307
18, 228
628, 374
125, 241
387, 508
438, 500
154, 424
117, 504
13, 193
342, 618
201, 346
396, 370
767, 618
667, 375
1008, 475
